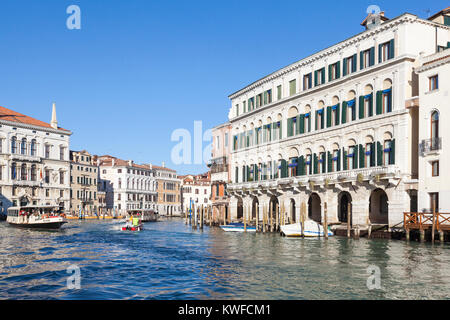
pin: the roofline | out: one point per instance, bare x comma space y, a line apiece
30, 126
231, 96
446, 10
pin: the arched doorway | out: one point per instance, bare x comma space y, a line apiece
378, 207
345, 201
240, 209
255, 204
291, 217
273, 210
315, 208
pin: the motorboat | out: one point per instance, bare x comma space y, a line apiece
39, 217
237, 227
311, 229
134, 224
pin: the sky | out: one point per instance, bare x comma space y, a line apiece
137, 70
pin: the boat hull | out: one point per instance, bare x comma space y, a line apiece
312, 229
46, 225
237, 227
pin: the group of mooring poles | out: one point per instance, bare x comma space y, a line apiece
196, 216
433, 229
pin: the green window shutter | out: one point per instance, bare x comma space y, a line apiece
379, 109
392, 152
322, 118
328, 117
317, 116
380, 50
355, 57
361, 156
344, 159
330, 69
338, 71
301, 166
355, 158
289, 127
391, 49
316, 163
447, 21
264, 133
323, 75
280, 132
338, 112
448, 45
279, 92
309, 122
302, 123
371, 105
372, 56
361, 60
265, 97
339, 160
330, 162
379, 154
236, 175
372, 155
344, 72
283, 169
256, 172
344, 112
292, 87
361, 107
315, 79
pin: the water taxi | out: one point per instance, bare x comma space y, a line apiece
40, 217
312, 229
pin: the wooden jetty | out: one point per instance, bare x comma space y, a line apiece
426, 221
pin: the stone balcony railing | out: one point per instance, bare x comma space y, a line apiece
26, 183
430, 146
360, 175
24, 157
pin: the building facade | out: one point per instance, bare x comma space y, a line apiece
127, 185
334, 132
220, 171
34, 161
433, 107
195, 191
83, 183
169, 191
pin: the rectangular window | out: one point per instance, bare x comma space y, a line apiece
292, 87
351, 157
243, 106
279, 93
387, 153
237, 110
435, 168
334, 71
226, 139
307, 81
384, 52
320, 77
47, 151
434, 83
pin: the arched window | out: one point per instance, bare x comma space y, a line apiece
23, 172
434, 125
33, 147
23, 146
33, 172
13, 145
13, 171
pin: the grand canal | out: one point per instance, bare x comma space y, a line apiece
169, 260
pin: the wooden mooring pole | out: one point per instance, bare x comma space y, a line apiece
433, 226
349, 220
325, 221
245, 219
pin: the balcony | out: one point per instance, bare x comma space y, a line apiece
429, 146
218, 165
26, 183
325, 179
24, 157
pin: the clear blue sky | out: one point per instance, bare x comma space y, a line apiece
139, 69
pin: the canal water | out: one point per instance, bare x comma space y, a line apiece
169, 260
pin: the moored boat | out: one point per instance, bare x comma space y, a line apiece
311, 229
38, 217
237, 227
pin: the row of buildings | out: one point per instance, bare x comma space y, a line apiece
37, 167
354, 125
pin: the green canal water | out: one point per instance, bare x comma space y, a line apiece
169, 260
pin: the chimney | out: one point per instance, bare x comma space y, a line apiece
54, 122
130, 162
113, 162
163, 164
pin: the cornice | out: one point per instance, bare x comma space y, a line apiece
391, 24
31, 127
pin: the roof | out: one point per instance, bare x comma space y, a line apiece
13, 116
108, 161
447, 10
163, 168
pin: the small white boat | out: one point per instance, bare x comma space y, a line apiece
312, 229
237, 227
39, 217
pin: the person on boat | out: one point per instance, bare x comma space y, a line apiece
135, 221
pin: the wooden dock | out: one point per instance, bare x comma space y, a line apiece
427, 221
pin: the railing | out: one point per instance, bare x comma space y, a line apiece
424, 220
429, 145
218, 168
332, 177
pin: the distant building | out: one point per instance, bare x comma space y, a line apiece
195, 190
168, 188
127, 185
34, 161
83, 183
220, 171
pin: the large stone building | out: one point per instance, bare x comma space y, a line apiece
195, 191
34, 161
127, 185
220, 171
83, 183
169, 191
338, 128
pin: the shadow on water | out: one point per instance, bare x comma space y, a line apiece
169, 260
